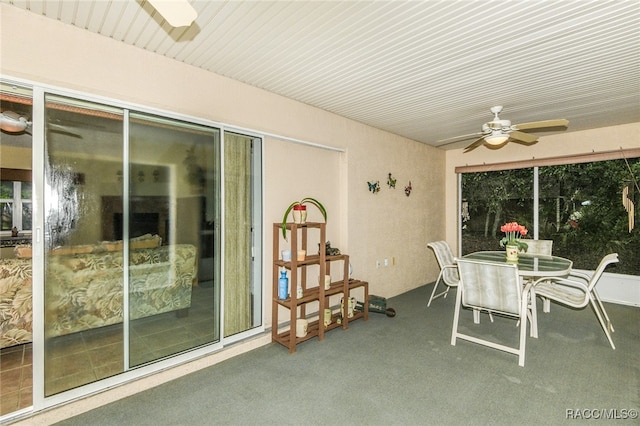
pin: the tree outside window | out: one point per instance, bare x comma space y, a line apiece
582, 208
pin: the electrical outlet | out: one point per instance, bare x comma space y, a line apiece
386, 261
377, 264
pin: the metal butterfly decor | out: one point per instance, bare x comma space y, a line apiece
407, 189
391, 181
374, 186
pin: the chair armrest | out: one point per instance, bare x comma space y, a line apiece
580, 275
563, 282
569, 292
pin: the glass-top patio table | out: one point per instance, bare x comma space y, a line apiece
529, 265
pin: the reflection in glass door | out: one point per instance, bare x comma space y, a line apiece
16, 271
131, 251
133, 244
173, 293
83, 272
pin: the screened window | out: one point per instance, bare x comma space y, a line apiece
588, 209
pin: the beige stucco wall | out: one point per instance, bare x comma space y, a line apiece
557, 145
366, 226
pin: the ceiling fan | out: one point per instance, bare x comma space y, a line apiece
14, 123
178, 13
497, 132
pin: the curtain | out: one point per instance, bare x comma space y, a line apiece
237, 263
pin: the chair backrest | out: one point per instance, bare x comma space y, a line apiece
539, 246
444, 256
606, 261
490, 286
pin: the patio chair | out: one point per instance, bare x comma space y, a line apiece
539, 246
495, 288
448, 268
544, 247
578, 294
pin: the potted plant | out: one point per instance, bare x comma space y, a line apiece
511, 240
301, 215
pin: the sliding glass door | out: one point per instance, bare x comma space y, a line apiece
83, 289
173, 175
132, 249
146, 248
133, 242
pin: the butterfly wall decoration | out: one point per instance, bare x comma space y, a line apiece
374, 187
407, 189
391, 181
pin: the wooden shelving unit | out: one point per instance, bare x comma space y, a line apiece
313, 291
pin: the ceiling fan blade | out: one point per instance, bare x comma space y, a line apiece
455, 139
542, 124
522, 137
474, 145
63, 130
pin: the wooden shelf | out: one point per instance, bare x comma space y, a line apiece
313, 290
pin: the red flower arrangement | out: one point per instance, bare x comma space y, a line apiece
512, 231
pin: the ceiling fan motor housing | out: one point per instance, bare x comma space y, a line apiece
496, 125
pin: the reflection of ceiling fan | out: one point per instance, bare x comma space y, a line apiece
15, 123
11, 122
497, 132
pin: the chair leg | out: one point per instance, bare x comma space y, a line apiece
435, 286
601, 320
534, 316
525, 303
456, 316
523, 340
476, 316
604, 312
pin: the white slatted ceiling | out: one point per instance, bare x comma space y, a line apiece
427, 70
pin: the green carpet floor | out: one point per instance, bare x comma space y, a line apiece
404, 371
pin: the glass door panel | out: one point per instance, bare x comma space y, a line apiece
83, 265
173, 211
16, 279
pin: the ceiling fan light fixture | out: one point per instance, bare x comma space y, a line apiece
178, 13
496, 138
